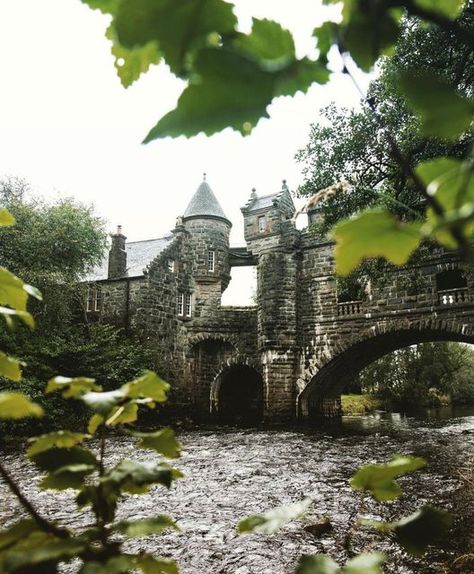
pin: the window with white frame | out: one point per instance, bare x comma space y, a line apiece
211, 260
180, 304
94, 298
262, 223
188, 305
171, 265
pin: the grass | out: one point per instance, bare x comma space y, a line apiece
360, 404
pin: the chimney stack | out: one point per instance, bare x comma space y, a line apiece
117, 255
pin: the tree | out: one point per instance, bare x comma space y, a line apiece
349, 144
421, 375
52, 245
201, 42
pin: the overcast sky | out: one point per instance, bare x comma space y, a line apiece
70, 128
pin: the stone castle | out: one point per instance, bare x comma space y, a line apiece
291, 354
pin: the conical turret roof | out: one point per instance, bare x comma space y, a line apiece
204, 204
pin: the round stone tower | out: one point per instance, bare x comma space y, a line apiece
207, 240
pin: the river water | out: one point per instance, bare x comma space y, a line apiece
233, 472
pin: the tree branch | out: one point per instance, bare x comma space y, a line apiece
42, 522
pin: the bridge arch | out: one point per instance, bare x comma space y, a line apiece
237, 392
321, 387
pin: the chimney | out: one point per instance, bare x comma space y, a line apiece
117, 255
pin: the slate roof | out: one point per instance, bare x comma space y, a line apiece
263, 202
204, 202
139, 255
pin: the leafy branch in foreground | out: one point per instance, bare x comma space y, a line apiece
37, 543
414, 533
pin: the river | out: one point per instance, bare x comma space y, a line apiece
233, 472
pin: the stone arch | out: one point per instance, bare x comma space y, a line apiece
237, 391
206, 354
320, 386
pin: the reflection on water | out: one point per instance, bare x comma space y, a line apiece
441, 417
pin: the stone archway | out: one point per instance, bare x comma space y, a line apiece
320, 393
237, 394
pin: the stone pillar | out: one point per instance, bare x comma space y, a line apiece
117, 255
277, 331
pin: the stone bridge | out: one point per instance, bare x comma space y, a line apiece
291, 354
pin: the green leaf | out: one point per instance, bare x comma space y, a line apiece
444, 113
271, 521
18, 406
136, 478
71, 476
178, 27
103, 403
102, 498
12, 292
148, 386
105, 6
126, 413
300, 76
55, 550
318, 564
94, 423
378, 479
59, 439
365, 564
218, 96
417, 531
152, 565
131, 63
72, 387
370, 33
374, 233
163, 441
6, 218
326, 36
18, 531
55, 458
10, 314
147, 526
269, 44
449, 8
122, 564
10, 368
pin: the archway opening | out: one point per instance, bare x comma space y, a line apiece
238, 395
321, 397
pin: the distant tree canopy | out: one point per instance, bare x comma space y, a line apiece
421, 375
348, 145
51, 245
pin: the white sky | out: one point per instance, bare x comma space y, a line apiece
70, 128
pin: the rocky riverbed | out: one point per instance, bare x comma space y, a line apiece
231, 472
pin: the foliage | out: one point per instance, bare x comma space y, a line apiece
40, 545
414, 533
201, 42
440, 370
103, 352
50, 246
357, 404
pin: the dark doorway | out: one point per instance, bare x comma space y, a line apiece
240, 395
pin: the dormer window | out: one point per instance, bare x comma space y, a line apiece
262, 223
211, 260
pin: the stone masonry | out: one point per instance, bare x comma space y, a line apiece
291, 354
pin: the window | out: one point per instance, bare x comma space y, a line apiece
188, 304
97, 299
262, 224
94, 299
180, 304
171, 265
211, 258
